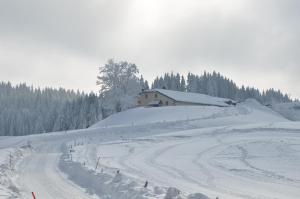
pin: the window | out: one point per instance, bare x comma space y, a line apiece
146, 96
155, 95
167, 103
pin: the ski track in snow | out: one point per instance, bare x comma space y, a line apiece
207, 172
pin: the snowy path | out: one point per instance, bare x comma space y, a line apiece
39, 173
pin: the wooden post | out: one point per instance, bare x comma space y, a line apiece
97, 163
146, 184
10, 160
33, 195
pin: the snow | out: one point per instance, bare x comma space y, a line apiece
248, 112
141, 115
173, 193
217, 162
193, 97
289, 110
189, 152
9, 158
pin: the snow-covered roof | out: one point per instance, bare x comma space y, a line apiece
196, 98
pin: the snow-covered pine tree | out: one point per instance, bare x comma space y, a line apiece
215, 84
27, 110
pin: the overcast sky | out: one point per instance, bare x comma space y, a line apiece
63, 42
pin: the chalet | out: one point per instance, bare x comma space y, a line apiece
163, 97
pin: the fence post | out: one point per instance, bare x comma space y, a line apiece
10, 160
33, 195
97, 163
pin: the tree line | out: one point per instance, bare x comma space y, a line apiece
214, 84
27, 110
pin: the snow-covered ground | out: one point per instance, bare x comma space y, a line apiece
247, 151
246, 163
289, 110
248, 112
9, 158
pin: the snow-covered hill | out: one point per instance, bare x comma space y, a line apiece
248, 111
223, 152
184, 152
288, 110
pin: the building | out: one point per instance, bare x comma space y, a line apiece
163, 97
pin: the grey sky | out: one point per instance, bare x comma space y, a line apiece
62, 42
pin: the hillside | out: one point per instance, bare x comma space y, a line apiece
176, 152
289, 110
249, 111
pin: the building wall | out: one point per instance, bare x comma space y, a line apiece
145, 98
188, 103
192, 104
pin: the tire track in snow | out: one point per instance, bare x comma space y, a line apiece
39, 173
151, 162
243, 158
177, 173
269, 174
130, 169
202, 162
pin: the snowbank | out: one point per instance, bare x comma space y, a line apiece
9, 158
105, 184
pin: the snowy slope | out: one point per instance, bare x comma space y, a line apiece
251, 111
288, 110
141, 115
247, 151
247, 163
226, 152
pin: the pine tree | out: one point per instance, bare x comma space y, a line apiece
215, 84
27, 110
